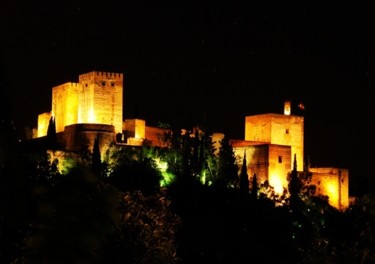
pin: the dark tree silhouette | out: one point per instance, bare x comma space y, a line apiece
227, 167
294, 186
147, 232
134, 171
51, 134
244, 177
74, 219
96, 157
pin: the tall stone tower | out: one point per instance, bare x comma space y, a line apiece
279, 129
96, 99
101, 99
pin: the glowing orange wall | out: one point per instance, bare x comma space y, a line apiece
135, 128
286, 130
96, 99
43, 122
65, 105
333, 182
268, 162
101, 99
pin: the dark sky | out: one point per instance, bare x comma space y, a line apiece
188, 62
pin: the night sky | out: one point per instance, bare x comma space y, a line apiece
199, 62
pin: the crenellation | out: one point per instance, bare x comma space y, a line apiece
99, 76
94, 105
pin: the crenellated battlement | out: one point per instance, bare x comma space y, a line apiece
66, 85
96, 76
97, 98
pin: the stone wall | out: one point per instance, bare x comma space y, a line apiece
65, 105
269, 162
333, 182
286, 130
97, 98
43, 123
81, 137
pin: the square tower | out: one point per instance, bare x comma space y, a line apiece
278, 129
65, 104
101, 99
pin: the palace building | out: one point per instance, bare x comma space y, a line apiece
94, 107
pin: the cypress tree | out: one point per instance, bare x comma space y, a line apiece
294, 185
227, 169
51, 134
244, 178
96, 158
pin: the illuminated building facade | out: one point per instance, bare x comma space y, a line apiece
96, 99
271, 141
94, 107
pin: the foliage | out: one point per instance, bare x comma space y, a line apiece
227, 167
360, 246
254, 187
180, 158
147, 231
96, 162
51, 135
74, 218
77, 217
244, 177
130, 169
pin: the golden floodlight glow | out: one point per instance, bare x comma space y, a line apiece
276, 182
330, 188
43, 122
70, 117
91, 116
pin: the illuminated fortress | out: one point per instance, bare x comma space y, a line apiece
96, 99
94, 106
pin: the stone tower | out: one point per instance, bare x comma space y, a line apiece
278, 129
96, 99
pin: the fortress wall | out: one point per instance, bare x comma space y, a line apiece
135, 128
71, 104
65, 104
118, 103
256, 160
258, 128
333, 182
280, 162
43, 123
154, 136
86, 104
278, 129
268, 162
97, 76
102, 98
97, 98
289, 131
81, 137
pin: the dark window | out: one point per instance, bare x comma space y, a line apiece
280, 159
287, 131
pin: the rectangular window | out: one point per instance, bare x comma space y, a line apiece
280, 159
